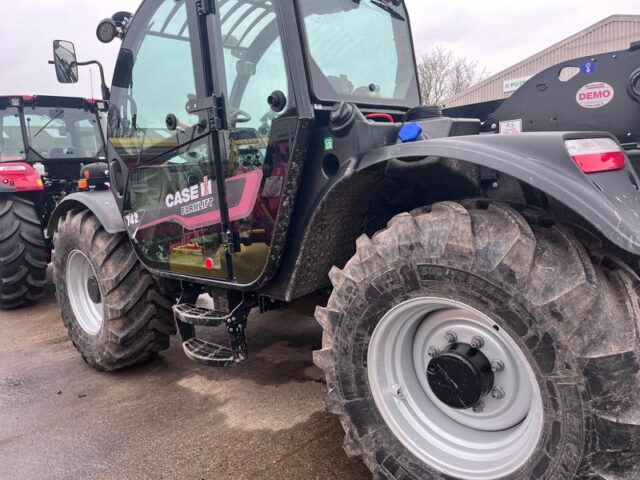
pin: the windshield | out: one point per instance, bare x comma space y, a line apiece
11, 140
360, 52
63, 133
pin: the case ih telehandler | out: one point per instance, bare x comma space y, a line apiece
44, 143
483, 320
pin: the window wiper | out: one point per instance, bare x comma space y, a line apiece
387, 8
48, 123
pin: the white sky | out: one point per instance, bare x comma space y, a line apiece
496, 33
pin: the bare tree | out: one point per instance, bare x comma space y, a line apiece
443, 75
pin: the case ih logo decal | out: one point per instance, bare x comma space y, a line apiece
191, 194
595, 95
199, 206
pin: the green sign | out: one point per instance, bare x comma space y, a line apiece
328, 143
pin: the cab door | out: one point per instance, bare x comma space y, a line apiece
262, 128
203, 126
163, 146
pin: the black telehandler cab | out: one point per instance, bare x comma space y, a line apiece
483, 318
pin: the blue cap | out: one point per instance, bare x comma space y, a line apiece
410, 132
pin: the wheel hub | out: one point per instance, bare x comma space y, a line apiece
460, 376
455, 388
93, 289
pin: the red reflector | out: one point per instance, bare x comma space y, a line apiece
595, 155
209, 264
600, 162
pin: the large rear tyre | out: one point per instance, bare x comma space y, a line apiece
549, 391
23, 256
115, 312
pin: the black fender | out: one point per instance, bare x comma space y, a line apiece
100, 203
609, 201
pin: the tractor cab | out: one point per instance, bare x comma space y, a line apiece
206, 150
45, 141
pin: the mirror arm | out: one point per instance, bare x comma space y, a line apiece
103, 84
105, 90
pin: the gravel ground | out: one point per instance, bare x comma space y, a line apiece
170, 418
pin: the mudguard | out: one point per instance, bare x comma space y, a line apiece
609, 201
101, 204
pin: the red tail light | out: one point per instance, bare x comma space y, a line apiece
594, 155
21, 176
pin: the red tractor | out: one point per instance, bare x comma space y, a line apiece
45, 142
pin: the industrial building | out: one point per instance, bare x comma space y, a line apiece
611, 34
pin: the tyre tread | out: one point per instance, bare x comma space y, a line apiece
545, 266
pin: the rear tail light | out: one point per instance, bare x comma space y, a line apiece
21, 176
594, 155
14, 169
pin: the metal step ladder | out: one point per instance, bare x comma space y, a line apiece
190, 315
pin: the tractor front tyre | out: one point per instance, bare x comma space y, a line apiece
480, 342
23, 256
115, 312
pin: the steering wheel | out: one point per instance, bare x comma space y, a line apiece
239, 116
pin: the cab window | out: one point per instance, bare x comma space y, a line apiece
341, 33
63, 133
152, 88
11, 140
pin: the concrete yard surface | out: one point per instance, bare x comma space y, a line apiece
170, 418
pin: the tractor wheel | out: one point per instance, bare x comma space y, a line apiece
115, 313
23, 257
478, 342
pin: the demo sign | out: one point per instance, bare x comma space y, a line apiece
595, 95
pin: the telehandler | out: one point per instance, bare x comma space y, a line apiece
483, 315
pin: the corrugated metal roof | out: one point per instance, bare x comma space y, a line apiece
613, 33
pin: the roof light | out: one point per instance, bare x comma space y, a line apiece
594, 155
107, 30
16, 101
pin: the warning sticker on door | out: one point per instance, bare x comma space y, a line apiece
595, 95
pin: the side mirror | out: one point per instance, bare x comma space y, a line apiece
64, 58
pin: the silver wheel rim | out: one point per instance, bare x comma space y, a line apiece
463, 443
87, 312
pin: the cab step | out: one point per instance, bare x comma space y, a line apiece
210, 354
189, 315
199, 316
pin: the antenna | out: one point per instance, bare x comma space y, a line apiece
91, 77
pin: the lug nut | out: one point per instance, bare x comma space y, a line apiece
478, 407
497, 366
398, 392
497, 393
477, 342
450, 337
433, 351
